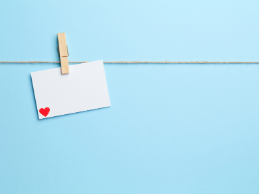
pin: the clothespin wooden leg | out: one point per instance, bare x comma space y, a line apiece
64, 65
63, 53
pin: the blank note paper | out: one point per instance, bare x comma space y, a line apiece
84, 88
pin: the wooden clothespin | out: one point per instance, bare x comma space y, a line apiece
63, 53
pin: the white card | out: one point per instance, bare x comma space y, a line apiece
84, 88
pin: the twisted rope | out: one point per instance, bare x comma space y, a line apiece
138, 62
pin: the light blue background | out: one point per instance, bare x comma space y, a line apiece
184, 129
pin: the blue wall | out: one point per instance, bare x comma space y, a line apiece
188, 129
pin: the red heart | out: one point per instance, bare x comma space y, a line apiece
45, 111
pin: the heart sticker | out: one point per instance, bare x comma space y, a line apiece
44, 111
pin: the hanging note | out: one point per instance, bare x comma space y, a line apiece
84, 88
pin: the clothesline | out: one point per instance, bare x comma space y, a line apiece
139, 62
